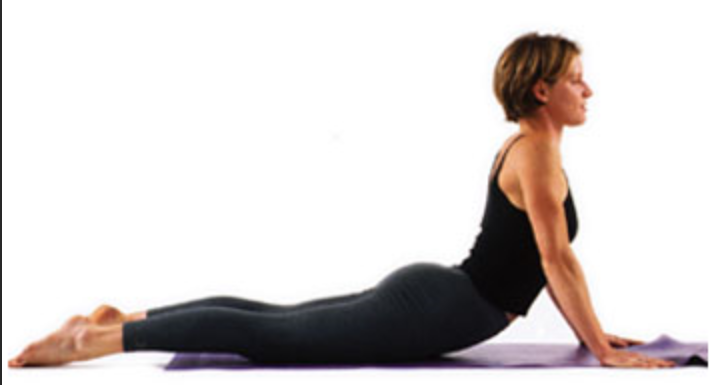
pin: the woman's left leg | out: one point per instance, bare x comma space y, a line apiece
106, 314
417, 312
239, 303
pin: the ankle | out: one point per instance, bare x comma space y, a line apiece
137, 316
84, 338
95, 341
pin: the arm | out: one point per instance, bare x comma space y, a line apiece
540, 175
614, 341
568, 289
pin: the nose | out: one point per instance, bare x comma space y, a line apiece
587, 91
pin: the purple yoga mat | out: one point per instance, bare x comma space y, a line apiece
489, 355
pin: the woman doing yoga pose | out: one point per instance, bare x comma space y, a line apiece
422, 310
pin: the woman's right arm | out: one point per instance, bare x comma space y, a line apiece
540, 175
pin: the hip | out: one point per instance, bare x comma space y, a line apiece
443, 287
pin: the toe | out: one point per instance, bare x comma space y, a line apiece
15, 363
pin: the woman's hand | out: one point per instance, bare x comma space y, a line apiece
627, 359
619, 342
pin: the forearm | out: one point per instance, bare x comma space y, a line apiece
554, 298
568, 288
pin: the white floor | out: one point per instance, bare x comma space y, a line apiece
148, 368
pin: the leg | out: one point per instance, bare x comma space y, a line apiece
254, 305
417, 312
193, 328
106, 314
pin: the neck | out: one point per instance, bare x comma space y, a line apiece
542, 127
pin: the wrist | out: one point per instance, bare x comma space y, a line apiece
602, 351
599, 347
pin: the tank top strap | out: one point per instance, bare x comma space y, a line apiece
504, 156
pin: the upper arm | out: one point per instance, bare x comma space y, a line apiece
540, 176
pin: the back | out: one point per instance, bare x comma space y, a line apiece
504, 263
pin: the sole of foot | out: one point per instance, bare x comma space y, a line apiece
58, 348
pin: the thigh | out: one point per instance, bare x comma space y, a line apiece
439, 309
245, 304
417, 312
333, 300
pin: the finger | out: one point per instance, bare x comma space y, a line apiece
615, 342
652, 364
667, 364
620, 343
15, 363
648, 362
659, 363
640, 364
629, 341
660, 366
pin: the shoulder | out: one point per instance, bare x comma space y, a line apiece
538, 168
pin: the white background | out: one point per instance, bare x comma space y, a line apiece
159, 151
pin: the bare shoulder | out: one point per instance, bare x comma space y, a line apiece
538, 169
532, 151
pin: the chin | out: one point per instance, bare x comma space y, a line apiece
577, 122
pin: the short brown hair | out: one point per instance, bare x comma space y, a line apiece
529, 59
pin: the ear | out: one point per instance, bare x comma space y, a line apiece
540, 90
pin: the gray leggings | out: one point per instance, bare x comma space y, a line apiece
419, 311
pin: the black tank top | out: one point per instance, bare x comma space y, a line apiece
504, 264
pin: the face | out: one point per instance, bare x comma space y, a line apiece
566, 100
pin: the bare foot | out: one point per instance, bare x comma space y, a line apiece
77, 340
58, 348
107, 315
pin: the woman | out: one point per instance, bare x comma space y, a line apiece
422, 310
